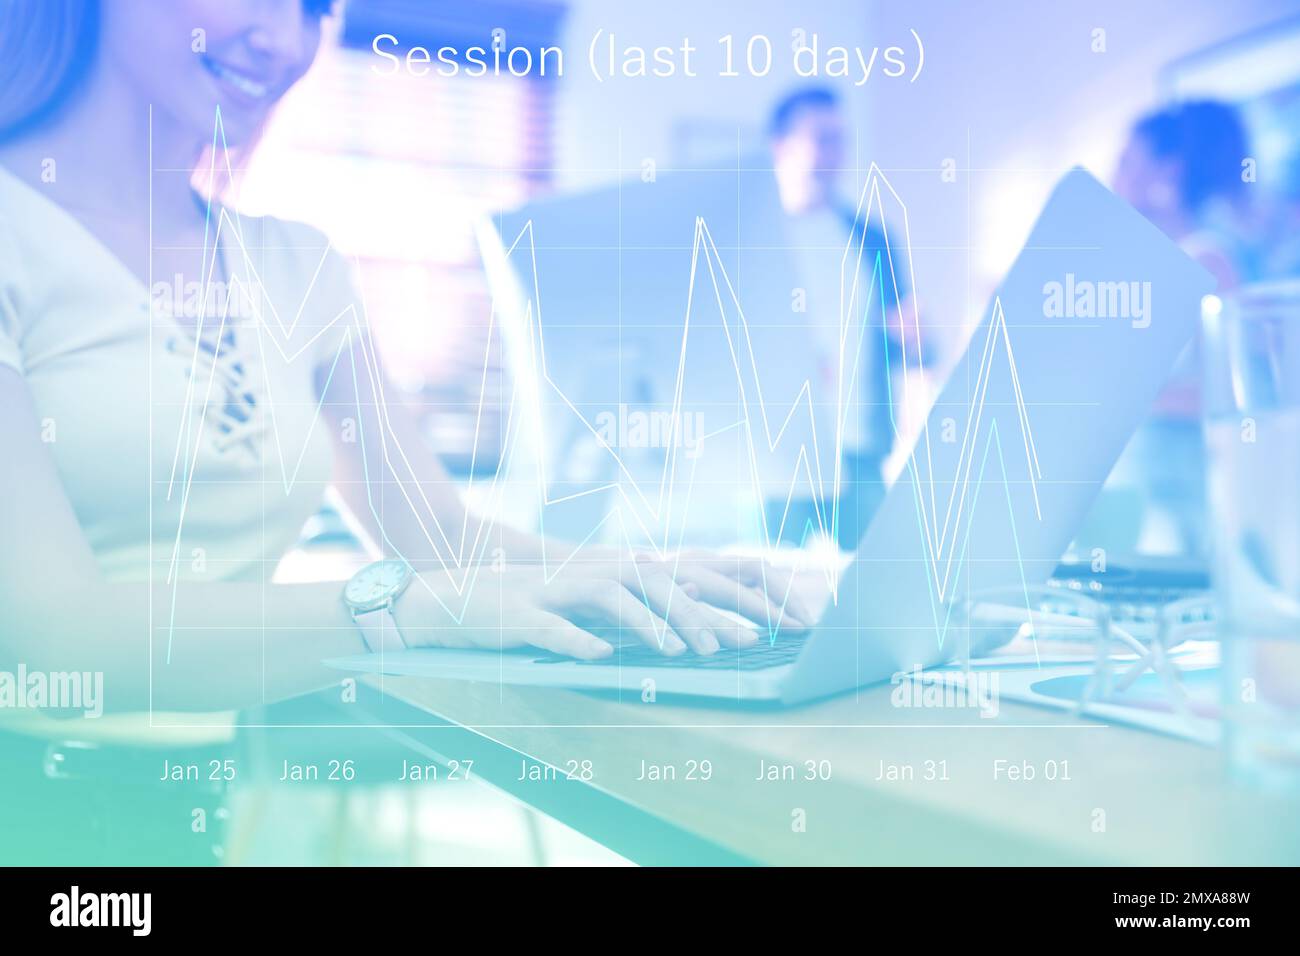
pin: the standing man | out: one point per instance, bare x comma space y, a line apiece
807, 139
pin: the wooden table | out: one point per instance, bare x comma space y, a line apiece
857, 779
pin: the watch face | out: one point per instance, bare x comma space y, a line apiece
374, 585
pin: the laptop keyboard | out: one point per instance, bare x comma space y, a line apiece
763, 655
1135, 596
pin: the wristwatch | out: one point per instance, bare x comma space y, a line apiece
370, 596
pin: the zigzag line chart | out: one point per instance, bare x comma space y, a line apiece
766, 426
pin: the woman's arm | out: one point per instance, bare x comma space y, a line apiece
201, 646
233, 644
395, 485
205, 646
393, 482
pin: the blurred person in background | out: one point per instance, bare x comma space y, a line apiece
1282, 258
807, 137
106, 110
1182, 169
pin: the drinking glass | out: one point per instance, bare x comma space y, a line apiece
1251, 403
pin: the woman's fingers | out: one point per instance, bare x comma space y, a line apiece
553, 633
761, 576
609, 605
730, 634
767, 608
703, 628
738, 567
780, 584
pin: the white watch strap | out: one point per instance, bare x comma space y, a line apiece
379, 630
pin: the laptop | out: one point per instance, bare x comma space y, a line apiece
1067, 361
614, 315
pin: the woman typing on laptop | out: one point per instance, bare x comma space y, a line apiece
137, 432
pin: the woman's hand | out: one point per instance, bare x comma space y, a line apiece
582, 609
750, 587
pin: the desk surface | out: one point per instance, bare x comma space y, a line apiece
1130, 798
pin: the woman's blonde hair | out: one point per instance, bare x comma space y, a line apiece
47, 48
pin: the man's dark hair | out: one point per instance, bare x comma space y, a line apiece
1208, 140
787, 110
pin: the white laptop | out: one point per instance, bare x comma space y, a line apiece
1066, 363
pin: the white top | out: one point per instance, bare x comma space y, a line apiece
137, 422
215, 454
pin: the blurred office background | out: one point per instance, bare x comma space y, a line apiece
422, 158
398, 170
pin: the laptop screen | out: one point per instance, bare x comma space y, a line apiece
1066, 363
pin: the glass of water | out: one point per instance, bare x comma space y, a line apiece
1251, 360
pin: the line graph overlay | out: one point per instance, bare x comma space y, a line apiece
765, 425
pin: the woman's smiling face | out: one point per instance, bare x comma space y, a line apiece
188, 57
